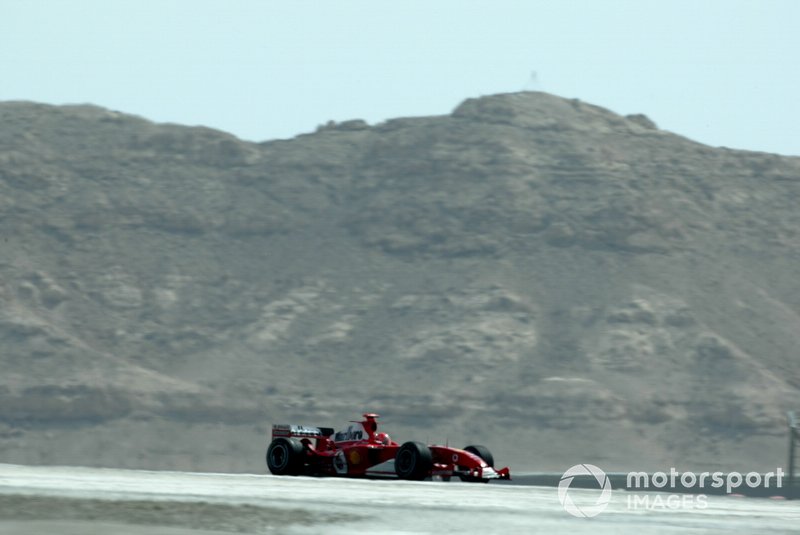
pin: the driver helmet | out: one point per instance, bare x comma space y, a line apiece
383, 438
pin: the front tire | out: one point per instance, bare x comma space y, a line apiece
413, 461
482, 452
285, 457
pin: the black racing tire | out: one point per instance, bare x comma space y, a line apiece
285, 457
413, 461
482, 452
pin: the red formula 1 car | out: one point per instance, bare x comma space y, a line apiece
361, 451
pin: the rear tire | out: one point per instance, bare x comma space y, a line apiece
413, 461
482, 452
285, 457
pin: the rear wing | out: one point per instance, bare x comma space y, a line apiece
301, 431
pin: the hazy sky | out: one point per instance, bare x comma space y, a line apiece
720, 72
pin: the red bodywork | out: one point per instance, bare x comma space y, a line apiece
360, 451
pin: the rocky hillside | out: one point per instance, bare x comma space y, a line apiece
538, 274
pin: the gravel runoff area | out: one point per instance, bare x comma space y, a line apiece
36, 500
31, 514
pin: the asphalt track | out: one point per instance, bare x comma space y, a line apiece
90, 501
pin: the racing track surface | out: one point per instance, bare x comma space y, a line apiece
91, 501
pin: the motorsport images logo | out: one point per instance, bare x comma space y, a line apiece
583, 503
